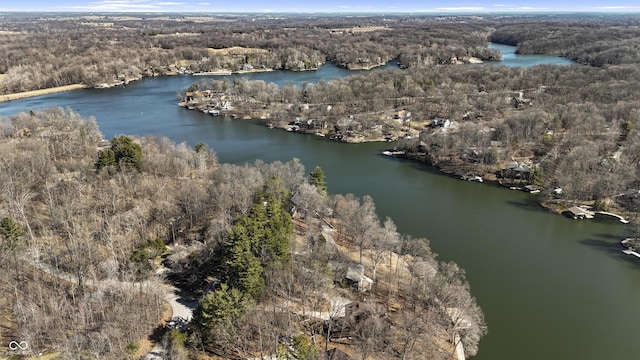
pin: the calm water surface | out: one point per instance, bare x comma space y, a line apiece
510, 58
551, 287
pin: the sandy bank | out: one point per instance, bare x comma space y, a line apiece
26, 94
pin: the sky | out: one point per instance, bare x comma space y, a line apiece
330, 6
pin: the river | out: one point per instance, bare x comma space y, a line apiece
551, 287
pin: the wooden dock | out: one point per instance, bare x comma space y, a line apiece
622, 219
631, 252
578, 212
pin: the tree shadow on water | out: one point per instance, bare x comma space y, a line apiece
611, 249
527, 205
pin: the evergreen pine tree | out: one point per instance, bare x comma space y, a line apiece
317, 179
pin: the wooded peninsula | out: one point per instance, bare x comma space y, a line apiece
96, 235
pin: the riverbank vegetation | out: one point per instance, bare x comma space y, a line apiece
94, 231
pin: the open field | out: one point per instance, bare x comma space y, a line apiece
235, 50
178, 34
359, 29
26, 94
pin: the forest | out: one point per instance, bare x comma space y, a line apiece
95, 234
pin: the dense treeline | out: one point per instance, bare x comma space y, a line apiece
577, 122
85, 224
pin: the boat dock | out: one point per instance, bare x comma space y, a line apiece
577, 212
392, 153
630, 244
631, 252
622, 220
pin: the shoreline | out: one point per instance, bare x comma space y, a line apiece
34, 93
218, 72
480, 175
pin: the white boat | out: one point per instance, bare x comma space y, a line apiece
472, 177
387, 153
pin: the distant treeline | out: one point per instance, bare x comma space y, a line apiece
52, 50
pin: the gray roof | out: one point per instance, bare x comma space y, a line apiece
355, 273
576, 210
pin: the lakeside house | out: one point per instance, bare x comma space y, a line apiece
356, 277
439, 122
519, 102
517, 171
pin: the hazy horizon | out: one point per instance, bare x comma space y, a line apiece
327, 6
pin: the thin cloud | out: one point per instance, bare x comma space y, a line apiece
528, 8
617, 7
127, 6
461, 8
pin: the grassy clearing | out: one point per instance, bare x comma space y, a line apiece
236, 50
177, 35
26, 94
360, 29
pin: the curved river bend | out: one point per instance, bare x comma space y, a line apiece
551, 287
